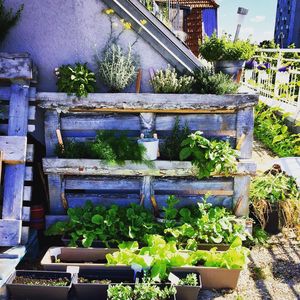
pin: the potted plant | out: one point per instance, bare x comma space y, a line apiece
188, 287
228, 56
274, 197
39, 285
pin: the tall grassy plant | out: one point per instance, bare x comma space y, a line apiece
8, 19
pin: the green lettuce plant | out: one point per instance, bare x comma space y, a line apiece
168, 81
77, 79
208, 156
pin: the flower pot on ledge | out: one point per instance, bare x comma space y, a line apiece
229, 67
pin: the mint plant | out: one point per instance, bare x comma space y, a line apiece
77, 79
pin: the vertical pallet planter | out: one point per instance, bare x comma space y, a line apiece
73, 181
17, 116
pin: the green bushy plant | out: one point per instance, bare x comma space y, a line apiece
215, 49
190, 280
77, 79
172, 145
112, 146
117, 68
119, 291
270, 128
8, 19
208, 156
209, 82
168, 81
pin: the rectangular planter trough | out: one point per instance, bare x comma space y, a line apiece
37, 292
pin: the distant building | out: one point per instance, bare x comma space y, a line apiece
287, 26
195, 18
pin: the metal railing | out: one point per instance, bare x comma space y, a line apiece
275, 75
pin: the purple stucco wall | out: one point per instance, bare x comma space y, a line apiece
57, 32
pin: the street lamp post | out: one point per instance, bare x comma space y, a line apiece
242, 12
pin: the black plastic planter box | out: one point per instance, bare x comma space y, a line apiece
96, 291
38, 292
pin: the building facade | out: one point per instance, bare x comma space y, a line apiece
287, 26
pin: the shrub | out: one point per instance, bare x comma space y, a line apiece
8, 19
270, 128
77, 79
117, 68
209, 82
168, 81
215, 49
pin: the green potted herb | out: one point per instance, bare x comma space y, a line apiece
228, 56
39, 284
188, 287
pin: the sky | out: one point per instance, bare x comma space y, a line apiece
258, 24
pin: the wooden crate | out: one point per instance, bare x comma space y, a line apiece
73, 181
16, 120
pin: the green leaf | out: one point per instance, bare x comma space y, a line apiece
185, 153
97, 219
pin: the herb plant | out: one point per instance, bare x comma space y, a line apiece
208, 156
209, 82
270, 128
172, 145
117, 68
223, 48
169, 82
112, 146
8, 19
119, 291
77, 79
190, 280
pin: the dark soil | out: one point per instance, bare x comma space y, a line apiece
90, 280
42, 281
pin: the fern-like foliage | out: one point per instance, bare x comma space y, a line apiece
117, 68
77, 79
168, 81
8, 19
209, 82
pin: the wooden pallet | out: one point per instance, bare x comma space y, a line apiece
17, 117
73, 181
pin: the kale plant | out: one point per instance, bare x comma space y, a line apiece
77, 79
8, 19
168, 81
209, 82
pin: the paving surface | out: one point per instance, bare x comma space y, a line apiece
273, 273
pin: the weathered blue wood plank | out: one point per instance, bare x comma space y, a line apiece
15, 175
244, 127
55, 194
10, 232
52, 123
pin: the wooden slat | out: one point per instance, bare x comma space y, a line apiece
28, 173
100, 122
10, 232
245, 124
27, 193
30, 153
15, 66
4, 109
52, 219
55, 194
216, 122
92, 183
241, 195
130, 102
14, 149
160, 168
4, 128
26, 214
51, 125
24, 235
75, 200
5, 94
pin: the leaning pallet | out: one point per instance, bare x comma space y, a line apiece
17, 113
73, 181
